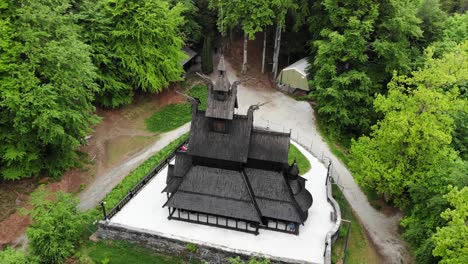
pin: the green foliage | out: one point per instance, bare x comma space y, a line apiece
191, 247
454, 32
207, 56
57, 225
173, 116
451, 242
344, 92
415, 134
433, 19
136, 44
409, 157
169, 117
46, 89
192, 29
354, 57
251, 15
11, 256
120, 252
200, 92
452, 6
302, 162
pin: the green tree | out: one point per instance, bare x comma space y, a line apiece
454, 32
136, 45
355, 57
453, 6
46, 89
451, 242
343, 90
409, 157
11, 256
433, 20
207, 56
415, 134
57, 225
251, 15
427, 203
192, 29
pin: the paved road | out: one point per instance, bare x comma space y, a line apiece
284, 113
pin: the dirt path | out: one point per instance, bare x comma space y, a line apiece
90, 197
117, 145
283, 113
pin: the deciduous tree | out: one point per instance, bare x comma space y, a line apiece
451, 242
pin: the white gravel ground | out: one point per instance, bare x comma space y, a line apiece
145, 212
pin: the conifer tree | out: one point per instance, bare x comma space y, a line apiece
137, 44
46, 89
207, 56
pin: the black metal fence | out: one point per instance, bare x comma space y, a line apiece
135, 189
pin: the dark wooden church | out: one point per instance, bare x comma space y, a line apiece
232, 174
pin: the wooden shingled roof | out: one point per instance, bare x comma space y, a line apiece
232, 146
215, 191
215, 176
268, 145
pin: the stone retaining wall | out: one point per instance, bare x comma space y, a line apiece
172, 246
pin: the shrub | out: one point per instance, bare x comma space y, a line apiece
57, 225
11, 256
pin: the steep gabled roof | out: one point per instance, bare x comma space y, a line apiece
232, 146
215, 191
269, 145
273, 196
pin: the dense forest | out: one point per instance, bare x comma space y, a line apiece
389, 82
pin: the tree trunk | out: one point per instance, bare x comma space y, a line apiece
244, 61
278, 44
264, 50
275, 48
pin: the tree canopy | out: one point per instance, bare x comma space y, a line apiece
46, 89
57, 225
355, 55
450, 241
409, 157
136, 45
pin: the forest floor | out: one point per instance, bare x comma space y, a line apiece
283, 112
116, 142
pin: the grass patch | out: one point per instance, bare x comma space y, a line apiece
126, 145
200, 92
169, 118
360, 249
173, 116
302, 162
120, 252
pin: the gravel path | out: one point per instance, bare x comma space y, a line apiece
102, 185
283, 113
